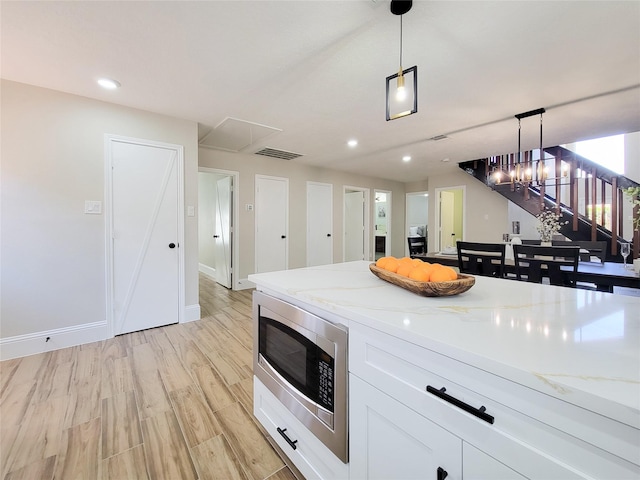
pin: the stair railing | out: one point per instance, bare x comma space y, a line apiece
573, 183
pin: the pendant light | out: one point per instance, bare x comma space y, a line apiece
402, 87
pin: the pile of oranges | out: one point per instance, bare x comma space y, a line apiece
417, 269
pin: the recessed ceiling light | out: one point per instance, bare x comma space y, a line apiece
352, 143
406, 158
445, 159
108, 83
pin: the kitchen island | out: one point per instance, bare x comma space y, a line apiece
557, 370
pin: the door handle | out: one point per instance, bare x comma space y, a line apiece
442, 473
283, 236
282, 431
172, 245
480, 412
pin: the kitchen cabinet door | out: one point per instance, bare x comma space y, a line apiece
388, 440
477, 465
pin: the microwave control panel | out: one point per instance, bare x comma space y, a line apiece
325, 384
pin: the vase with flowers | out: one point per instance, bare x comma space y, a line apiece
634, 195
549, 224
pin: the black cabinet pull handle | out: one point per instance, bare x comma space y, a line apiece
478, 412
283, 236
172, 245
289, 441
328, 234
442, 473
216, 236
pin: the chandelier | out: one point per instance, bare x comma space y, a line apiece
523, 168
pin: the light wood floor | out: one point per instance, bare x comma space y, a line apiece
168, 403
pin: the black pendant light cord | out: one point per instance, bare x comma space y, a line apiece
519, 151
400, 42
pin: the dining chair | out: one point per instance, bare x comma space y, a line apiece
485, 259
417, 245
559, 265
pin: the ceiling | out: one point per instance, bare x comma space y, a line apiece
314, 71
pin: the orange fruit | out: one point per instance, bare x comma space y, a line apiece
443, 274
420, 274
391, 264
452, 273
405, 260
382, 262
404, 268
417, 261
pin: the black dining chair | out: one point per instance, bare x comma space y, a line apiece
485, 259
417, 245
559, 265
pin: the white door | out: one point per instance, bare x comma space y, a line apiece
145, 235
319, 223
223, 231
450, 216
447, 230
354, 226
272, 223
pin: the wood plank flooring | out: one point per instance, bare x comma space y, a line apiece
174, 402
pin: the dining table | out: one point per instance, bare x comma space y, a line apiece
605, 275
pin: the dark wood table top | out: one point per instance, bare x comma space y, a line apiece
605, 275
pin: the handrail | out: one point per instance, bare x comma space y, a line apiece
569, 184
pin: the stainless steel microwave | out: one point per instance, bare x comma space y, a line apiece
302, 359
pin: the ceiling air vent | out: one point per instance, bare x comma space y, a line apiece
438, 137
274, 153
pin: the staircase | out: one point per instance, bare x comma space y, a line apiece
587, 195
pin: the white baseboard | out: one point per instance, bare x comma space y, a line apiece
191, 313
207, 270
32, 343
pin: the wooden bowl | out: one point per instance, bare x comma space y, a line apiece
426, 289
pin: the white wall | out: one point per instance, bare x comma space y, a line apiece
53, 255
248, 165
485, 210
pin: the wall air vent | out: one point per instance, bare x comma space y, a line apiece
438, 137
274, 153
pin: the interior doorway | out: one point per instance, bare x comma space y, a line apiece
319, 223
144, 235
417, 217
272, 223
217, 225
356, 224
382, 224
450, 217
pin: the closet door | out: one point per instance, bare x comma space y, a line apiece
319, 223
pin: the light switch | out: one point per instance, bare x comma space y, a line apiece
249, 207
191, 211
93, 207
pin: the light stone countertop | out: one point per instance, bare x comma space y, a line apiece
580, 346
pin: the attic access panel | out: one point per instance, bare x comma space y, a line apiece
234, 135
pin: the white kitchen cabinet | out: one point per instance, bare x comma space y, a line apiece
308, 454
392, 411
390, 441
480, 466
